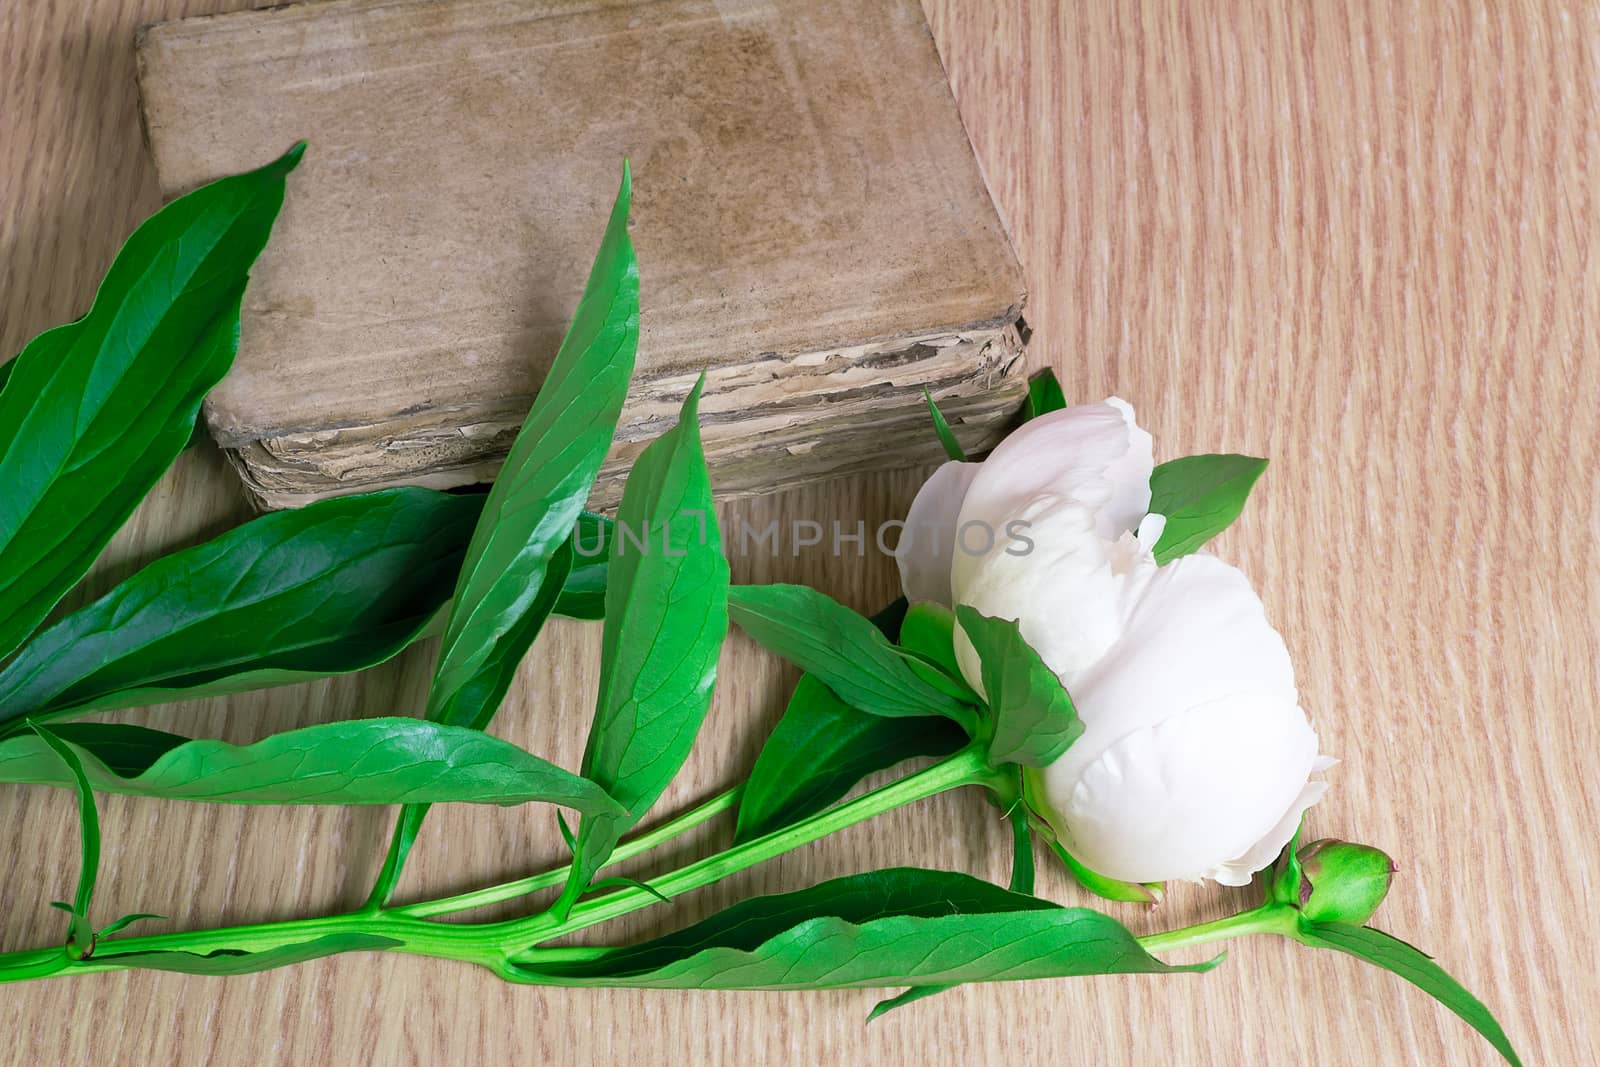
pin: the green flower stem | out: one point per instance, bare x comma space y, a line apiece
967, 767
629, 848
1269, 918
473, 944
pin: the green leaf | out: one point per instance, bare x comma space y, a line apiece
509, 585
94, 412
1034, 720
953, 686
226, 962
61, 757
929, 630
124, 748
947, 437
1200, 496
539, 494
1022, 869
896, 927
567, 836
927, 643
5, 372
630, 883
910, 996
477, 700
821, 748
1022, 879
583, 596
118, 925
844, 650
1415, 966
339, 586
666, 618
364, 761
1044, 395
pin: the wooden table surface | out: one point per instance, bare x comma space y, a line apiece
1361, 239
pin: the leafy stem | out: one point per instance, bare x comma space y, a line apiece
494, 945
967, 767
633, 846
517, 949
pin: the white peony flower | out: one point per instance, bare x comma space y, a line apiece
1195, 758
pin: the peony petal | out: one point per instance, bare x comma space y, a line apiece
1150, 529
1194, 744
1072, 591
1182, 799
1240, 870
928, 541
1092, 454
1129, 477
1190, 633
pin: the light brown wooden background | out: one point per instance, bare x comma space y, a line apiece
1360, 239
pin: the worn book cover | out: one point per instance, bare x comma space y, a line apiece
811, 225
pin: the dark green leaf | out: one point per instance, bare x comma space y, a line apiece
844, 650
666, 617
338, 586
5, 372
821, 748
1022, 870
1034, 720
947, 437
506, 589
856, 898
1044, 395
226, 962
364, 761
65, 762
1200, 496
94, 412
1415, 966
894, 927
890, 617
124, 748
584, 594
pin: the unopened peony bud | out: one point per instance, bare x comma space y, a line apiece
1343, 882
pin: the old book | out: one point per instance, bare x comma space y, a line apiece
811, 225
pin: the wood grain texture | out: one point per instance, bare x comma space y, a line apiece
1357, 238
